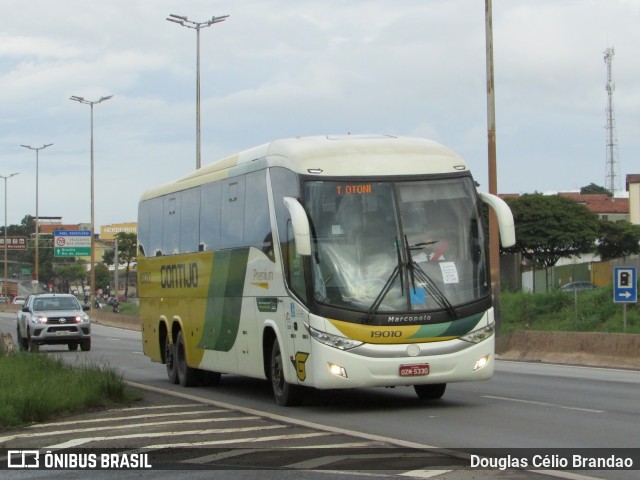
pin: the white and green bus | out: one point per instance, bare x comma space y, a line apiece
321, 262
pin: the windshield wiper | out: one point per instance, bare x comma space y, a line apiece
430, 286
373, 309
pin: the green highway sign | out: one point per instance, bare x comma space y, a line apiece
71, 243
71, 251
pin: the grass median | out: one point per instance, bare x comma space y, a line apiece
39, 387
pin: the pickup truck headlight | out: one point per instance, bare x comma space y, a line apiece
84, 318
335, 341
39, 319
480, 334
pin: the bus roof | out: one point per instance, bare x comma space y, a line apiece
327, 155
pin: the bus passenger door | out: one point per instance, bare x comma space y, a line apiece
298, 340
296, 314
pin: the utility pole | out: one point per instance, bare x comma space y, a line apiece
185, 22
37, 262
92, 275
494, 233
4, 286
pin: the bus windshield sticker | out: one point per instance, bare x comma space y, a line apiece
449, 272
418, 296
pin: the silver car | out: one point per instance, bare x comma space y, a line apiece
53, 319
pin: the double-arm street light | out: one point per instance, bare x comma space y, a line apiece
92, 281
35, 275
185, 22
5, 292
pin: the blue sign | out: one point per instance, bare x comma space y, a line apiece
625, 284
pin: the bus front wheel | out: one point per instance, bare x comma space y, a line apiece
285, 394
430, 392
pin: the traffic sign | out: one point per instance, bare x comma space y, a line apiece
71, 252
625, 284
71, 243
14, 243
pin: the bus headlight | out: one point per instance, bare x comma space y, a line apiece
479, 335
335, 341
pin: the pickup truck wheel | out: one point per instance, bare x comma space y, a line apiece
85, 345
23, 344
34, 347
72, 346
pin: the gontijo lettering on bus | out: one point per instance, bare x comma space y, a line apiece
179, 275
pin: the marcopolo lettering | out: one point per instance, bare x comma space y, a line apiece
179, 275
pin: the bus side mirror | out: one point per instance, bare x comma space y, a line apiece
505, 218
300, 224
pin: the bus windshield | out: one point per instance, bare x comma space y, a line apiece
399, 246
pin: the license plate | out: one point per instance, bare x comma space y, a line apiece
414, 370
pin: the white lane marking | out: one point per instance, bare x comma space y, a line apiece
281, 418
81, 441
330, 459
214, 457
543, 404
129, 426
132, 417
293, 436
424, 473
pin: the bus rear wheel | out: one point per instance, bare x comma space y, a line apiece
187, 376
285, 394
169, 360
430, 392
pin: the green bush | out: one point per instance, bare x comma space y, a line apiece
37, 387
588, 311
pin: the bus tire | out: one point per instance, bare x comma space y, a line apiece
430, 391
187, 376
286, 395
170, 361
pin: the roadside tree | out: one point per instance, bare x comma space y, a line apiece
550, 227
619, 239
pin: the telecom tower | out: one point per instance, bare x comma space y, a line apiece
613, 169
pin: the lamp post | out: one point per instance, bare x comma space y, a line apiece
185, 22
92, 276
6, 293
494, 231
37, 262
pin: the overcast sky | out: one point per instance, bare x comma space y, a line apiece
284, 68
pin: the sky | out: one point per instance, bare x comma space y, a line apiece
285, 68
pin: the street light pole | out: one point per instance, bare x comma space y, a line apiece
37, 262
6, 293
92, 276
494, 231
185, 22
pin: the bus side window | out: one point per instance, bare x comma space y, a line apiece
295, 266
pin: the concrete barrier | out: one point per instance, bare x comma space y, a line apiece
614, 350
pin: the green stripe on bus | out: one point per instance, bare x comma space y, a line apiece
224, 299
457, 328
